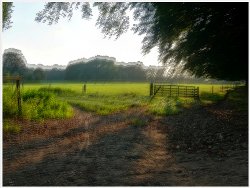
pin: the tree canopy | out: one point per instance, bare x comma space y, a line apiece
14, 62
6, 14
104, 70
205, 39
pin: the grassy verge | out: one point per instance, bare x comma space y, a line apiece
169, 106
209, 98
36, 105
238, 98
10, 127
104, 104
52, 100
105, 88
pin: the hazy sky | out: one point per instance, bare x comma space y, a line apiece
67, 40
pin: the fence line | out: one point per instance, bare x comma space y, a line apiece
174, 90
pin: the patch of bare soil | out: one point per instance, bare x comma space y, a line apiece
200, 146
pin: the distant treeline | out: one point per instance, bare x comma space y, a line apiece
92, 71
104, 70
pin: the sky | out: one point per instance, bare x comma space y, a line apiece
68, 40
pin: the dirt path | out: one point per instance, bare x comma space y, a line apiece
110, 150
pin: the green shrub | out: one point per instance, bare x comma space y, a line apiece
98, 107
57, 90
35, 105
138, 122
42, 105
207, 97
238, 98
9, 103
165, 106
128, 95
9, 127
106, 104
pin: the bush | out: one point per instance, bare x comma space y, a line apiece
165, 106
210, 97
9, 103
41, 105
56, 90
9, 127
138, 122
35, 105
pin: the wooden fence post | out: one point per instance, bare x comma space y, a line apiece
170, 90
84, 89
212, 89
19, 105
178, 91
151, 87
198, 92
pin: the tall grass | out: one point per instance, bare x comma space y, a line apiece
51, 100
116, 88
104, 104
169, 106
35, 105
97, 88
10, 127
208, 98
9, 102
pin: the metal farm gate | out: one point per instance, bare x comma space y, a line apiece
174, 90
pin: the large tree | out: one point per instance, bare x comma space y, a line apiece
205, 39
14, 62
208, 39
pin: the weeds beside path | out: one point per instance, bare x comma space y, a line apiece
201, 146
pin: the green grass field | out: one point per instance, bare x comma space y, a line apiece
106, 98
97, 88
116, 88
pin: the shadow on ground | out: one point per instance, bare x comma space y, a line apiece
111, 151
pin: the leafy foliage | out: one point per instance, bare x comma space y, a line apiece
53, 11
102, 98
164, 106
206, 39
35, 105
207, 97
138, 122
57, 91
238, 98
6, 14
14, 62
40, 105
113, 17
10, 127
54, 74
9, 103
106, 104
38, 74
104, 70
